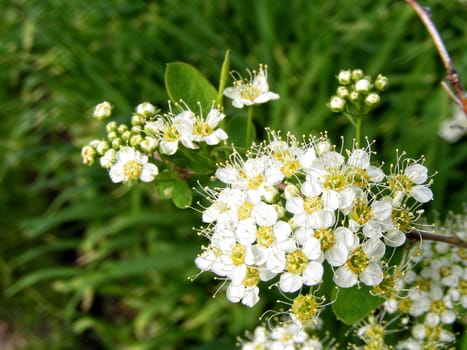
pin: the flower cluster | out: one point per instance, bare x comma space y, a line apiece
289, 208
285, 335
357, 91
126, 151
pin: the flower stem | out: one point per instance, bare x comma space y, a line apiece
358, 129
249, 127
421, 235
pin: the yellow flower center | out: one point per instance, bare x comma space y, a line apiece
132, 170
252, 276
238, 254
244, 210
335, 181
401, 219
312, 204
358, 261
290, 168
296, 262
400, 182
358, 177
249, 92
404, 305
255, 182
304, 307
386, 288
202, 129
171, 134
438, 307
462, 287
282, 156
361, 212
326, 236
265, 236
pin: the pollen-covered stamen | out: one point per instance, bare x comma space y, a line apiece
326, 236
387, 287
296, 262
312, 204
238, 254
433, 333
462, 287
361, 212
244, 210
335, 180
132, 169
400, 182
252, 277
290, 168
358, 177
401, 219
358, 261
249, 91
171, 134
438, 307
202, 129
265, 236
304, 307
256, 181
404, 305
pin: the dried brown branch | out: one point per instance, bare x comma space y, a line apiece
422, 235
452, 76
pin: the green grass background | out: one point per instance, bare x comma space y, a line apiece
85, 264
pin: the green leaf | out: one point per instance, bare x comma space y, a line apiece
354, 304
182, 195
223, 77
237, 130
165, 189
185, 82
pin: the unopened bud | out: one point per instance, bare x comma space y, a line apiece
88, 153
137, 119
372, 99
122, 128
108, 159
112, 136
291, 191
342, 92
363, 85
102, 111
136, 129
336, 104
354, 96
381, 82
111, 126
117, 143
357, 74
146, 109
126, 135
102, 147
344, 77
135, 140
148, 145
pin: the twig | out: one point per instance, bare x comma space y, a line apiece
422, 235
452, 75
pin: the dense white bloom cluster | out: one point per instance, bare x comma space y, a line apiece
286, 335
126, 151
289, 208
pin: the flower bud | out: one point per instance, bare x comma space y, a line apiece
122, 128
102, 147
135, 140
344, 77
117, 143
146, 109
148, 145
137, 119
342, 92
126, 135
112, 136
372, 99
108, 158
357, 74
381, 82
88, 153
102, 111
363, 85
354, 96
291, 191
136, 129
111, 126
336, 104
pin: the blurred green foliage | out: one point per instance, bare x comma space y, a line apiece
87, 264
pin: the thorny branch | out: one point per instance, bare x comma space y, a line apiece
422, 235
452, 77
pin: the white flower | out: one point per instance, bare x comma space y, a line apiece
131, 165
108, 159
205, 130
254, 91
301, 270
364, 264
102, 111
309, 212
146, 108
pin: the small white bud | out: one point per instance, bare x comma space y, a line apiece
354, 96
342, 92
344, 77
102, 147
357, 74
88, 153
362, 85
146, 109
372, 99
381, 82
336, 104
149, 144
108, 159
102, 111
